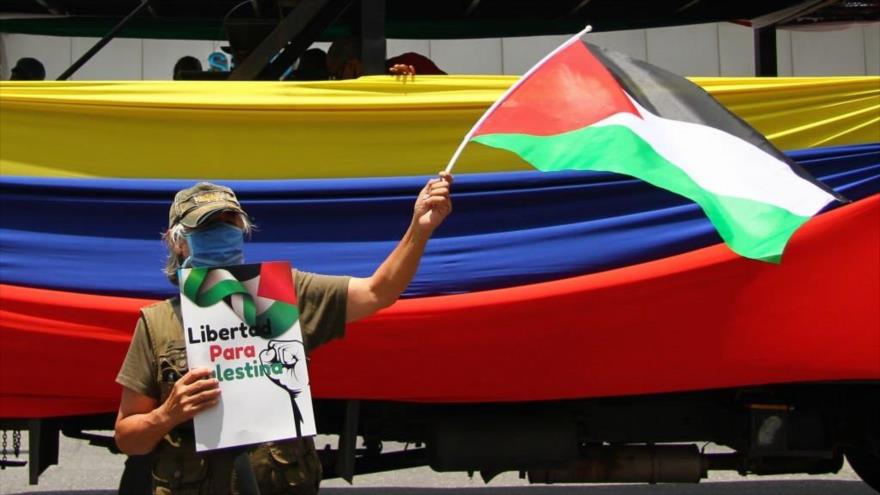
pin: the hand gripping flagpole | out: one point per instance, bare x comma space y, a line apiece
518, 83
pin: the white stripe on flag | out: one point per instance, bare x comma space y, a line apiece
724, 164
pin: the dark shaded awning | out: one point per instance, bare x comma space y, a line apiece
406, 19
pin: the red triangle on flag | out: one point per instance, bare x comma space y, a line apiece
571, 90
276, 282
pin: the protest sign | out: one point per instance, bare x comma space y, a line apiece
242, 322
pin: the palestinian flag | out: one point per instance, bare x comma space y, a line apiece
586, 108
256, 293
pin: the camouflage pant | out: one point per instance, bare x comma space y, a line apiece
290, 467
287, 467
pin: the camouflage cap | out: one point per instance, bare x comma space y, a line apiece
194, 205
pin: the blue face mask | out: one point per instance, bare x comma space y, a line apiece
219, 244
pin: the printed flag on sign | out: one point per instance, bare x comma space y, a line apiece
242, 321
586, 108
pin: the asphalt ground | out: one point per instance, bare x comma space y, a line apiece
84, 469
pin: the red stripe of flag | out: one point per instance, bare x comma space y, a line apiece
569, 91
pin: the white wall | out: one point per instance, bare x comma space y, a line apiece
475, 56
394, 48
829, 53
121, 59
690, 51
736, 50
53, 52
699, 50
717, 49
159, 56
872, 48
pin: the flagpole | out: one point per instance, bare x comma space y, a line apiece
470, 134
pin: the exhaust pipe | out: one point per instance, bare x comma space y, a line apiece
629, 464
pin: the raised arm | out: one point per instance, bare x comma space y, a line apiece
380, 290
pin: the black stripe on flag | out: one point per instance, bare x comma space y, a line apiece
673, 97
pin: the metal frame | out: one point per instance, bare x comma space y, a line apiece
302, 26
372, 34
765, 51
765, 33
289, 39
344, 466
103, 41
42, 444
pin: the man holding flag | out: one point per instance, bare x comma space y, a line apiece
161, 395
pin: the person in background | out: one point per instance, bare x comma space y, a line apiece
344, 62
218, 62
28, 69
312, 66
186, 64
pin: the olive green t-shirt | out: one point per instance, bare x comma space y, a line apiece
321, 300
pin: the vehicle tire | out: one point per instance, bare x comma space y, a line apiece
866, 465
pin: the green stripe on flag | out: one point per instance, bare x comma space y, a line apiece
751, 228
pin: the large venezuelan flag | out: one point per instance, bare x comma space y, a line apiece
90, 188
